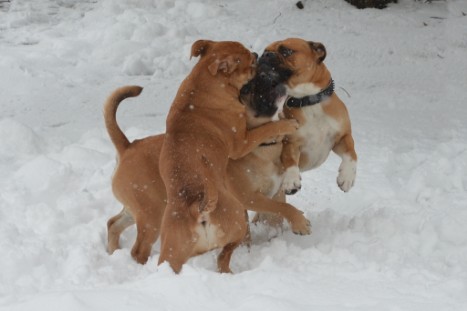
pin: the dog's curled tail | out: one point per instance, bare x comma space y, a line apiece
118, 138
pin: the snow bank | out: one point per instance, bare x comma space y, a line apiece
18, 139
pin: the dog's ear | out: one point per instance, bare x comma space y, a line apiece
200, 47
225, 65
319, 49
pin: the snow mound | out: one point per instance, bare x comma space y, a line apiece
18, 140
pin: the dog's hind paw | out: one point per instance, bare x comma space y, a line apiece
292, 180
303, 230
301, 226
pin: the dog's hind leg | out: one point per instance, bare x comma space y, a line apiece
237, 227
176, 242
247, 240
260, 203
223, 260
272, 220
115, 226
148, 229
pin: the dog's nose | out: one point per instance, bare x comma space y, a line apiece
268, 55
268, 58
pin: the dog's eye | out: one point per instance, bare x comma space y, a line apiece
285, 51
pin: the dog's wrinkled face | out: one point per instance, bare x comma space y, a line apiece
227, 58
285, 66
265, 94
302, 58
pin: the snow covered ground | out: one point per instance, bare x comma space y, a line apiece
397, 241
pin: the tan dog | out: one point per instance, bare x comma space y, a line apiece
137, 184
205, 127
323, 117
199, 225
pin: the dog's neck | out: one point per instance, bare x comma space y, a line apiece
310, 100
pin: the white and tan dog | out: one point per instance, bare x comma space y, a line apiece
323, 117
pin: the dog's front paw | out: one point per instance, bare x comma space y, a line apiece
292, 180
301, 225
289, 126
347, 174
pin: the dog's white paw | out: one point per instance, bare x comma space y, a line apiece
347, 174
292, 180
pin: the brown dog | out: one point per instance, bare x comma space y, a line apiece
323, 117
137, 184
205, 127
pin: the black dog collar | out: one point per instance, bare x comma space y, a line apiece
294, 102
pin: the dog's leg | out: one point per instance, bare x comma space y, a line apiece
176, 241
234, 222
247, 240
147, 234
223, 260
115, 226
298, 222
290, 158
257, 136
272, 220
348, 167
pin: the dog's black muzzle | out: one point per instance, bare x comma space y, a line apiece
271, 63
263, 91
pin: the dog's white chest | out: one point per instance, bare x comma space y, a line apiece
319, 132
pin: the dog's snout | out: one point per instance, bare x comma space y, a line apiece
269, 60
268, 54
